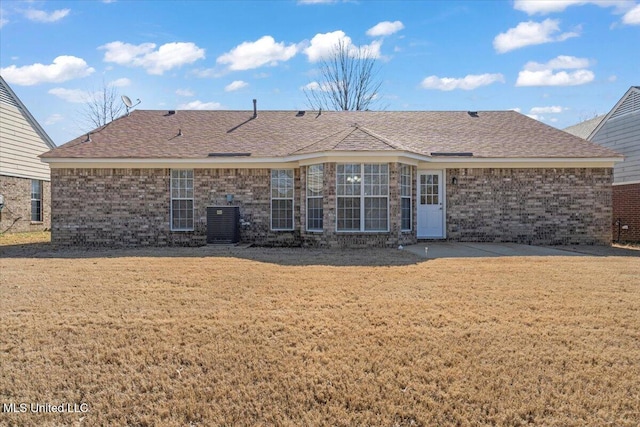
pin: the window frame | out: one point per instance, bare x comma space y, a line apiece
38, 201
361, 196
173, 180
406, 188
292, 198
319, 195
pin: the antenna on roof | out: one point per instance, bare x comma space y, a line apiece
128, 104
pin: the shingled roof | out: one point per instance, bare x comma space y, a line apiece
150, 134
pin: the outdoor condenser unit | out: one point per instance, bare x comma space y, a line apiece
223, 224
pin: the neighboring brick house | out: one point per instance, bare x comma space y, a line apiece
337, 179
25, 196
619, 130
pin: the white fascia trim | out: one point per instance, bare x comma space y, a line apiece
626, 183
330, 156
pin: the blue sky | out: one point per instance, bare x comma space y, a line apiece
558, 61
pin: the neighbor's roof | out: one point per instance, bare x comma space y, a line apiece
584, 129
150, 134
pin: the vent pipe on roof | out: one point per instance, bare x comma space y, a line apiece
255, 108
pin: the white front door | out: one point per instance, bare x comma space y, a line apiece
430, 205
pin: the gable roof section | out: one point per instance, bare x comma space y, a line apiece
149, 134
628, 104
585, 128
8, 96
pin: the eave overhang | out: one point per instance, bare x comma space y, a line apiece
331, 156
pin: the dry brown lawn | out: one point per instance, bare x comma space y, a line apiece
230, 336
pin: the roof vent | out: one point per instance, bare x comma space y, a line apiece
171, 112
88, 138
255, 108
453, 154
300, 114
473, 113
229, 154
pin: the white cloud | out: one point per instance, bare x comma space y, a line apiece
530, 33
235, 85
264, 51
184, 92
536, 74
208, 72
53, 119
325, 87
517, 109
549, 78
122, 82
612, 78
76, 96
166, 57
385, 28
62, 69
42, 16
469, 82
3, 19
323, 45
535, 117
311, 86
632, 17
554, 109
544, 7
199, 105
562, 62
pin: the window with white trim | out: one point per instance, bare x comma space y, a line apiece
36, 200
282, 199
315, 175
405, 198
362, 192
182, 200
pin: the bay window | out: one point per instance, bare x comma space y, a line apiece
362, 197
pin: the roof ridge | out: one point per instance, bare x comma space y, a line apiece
381, 138
327, 137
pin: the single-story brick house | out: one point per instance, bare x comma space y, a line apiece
619, 130
339, 179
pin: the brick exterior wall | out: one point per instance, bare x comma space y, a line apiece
532, 206
15, 217
626, 208
130, 207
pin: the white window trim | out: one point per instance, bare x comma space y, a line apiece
39, 199
410, 197
292, 198
171, 199
362, 197
321, 197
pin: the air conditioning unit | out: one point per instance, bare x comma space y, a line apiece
223, 224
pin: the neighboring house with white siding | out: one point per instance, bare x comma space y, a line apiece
25, 189
619, 130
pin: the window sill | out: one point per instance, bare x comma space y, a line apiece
179, 230
315, 231
362, 232
37, 222
282, 229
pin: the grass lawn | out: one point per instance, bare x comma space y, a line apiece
231, 336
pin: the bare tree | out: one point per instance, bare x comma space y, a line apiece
348, 80
103, 106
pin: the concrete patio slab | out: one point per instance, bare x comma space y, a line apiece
475, 250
